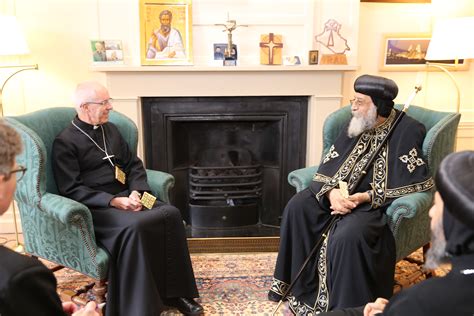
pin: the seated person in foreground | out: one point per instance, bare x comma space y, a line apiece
27, 287
150, 263
452, 240
356, 263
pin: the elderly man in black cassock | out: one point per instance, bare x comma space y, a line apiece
452, 240
150, 263
356, 264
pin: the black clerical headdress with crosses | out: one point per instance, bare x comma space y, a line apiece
454, 182
381, 90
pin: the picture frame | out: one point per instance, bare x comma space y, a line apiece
406, 52
293, 60
220, 48
313, 57
106, 51
166, 32
229, 62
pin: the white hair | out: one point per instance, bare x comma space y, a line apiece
360, 123
86, 91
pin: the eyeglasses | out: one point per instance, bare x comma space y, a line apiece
101, 103
20, 172
358, 102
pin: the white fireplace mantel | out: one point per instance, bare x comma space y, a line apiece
321, 83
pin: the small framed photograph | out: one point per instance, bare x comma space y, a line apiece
406, 52
107, 51
166, 32
313, 57
220, 50
230, 62
291, 60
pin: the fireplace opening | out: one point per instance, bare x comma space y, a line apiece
230, 156
224, 188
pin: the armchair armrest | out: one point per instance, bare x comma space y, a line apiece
160, 184
407, 207
301, 178
65, 210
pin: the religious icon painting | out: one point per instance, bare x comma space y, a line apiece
313, 57
165, 32
271, 49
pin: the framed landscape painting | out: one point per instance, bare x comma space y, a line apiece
165, 32
406, 52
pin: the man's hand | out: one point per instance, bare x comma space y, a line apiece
135, 196
126, 203
339, 204
376, 307
69, 308
359, 198
343, 206
89, 310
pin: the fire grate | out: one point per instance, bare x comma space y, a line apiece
224, 196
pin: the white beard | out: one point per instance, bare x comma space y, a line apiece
360, 123
436, 255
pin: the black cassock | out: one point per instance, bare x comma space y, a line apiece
149, 255
357, 263
449, 295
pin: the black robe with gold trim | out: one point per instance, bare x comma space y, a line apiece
356, 264
149, 254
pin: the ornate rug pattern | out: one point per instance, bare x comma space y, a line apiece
237, 284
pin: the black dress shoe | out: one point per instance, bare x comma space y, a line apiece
187, 306
274, 297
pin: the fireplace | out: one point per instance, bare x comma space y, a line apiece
248, 144
224, 196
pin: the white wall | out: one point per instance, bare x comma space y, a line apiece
58, 33
438, 91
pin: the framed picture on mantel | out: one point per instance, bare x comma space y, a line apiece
165, 32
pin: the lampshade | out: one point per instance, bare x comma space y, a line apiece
12, 40
452, 39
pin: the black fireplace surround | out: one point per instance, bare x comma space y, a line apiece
228, 138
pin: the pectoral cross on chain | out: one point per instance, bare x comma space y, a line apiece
108, 156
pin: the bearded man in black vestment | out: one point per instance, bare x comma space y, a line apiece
356, 262
150, 263
452, 240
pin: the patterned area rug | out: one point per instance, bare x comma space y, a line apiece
237, 284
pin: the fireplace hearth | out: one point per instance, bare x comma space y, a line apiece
230, 156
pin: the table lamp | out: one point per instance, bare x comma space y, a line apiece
13, 43
451, 40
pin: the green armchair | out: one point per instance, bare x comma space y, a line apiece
57, 228
408, 215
